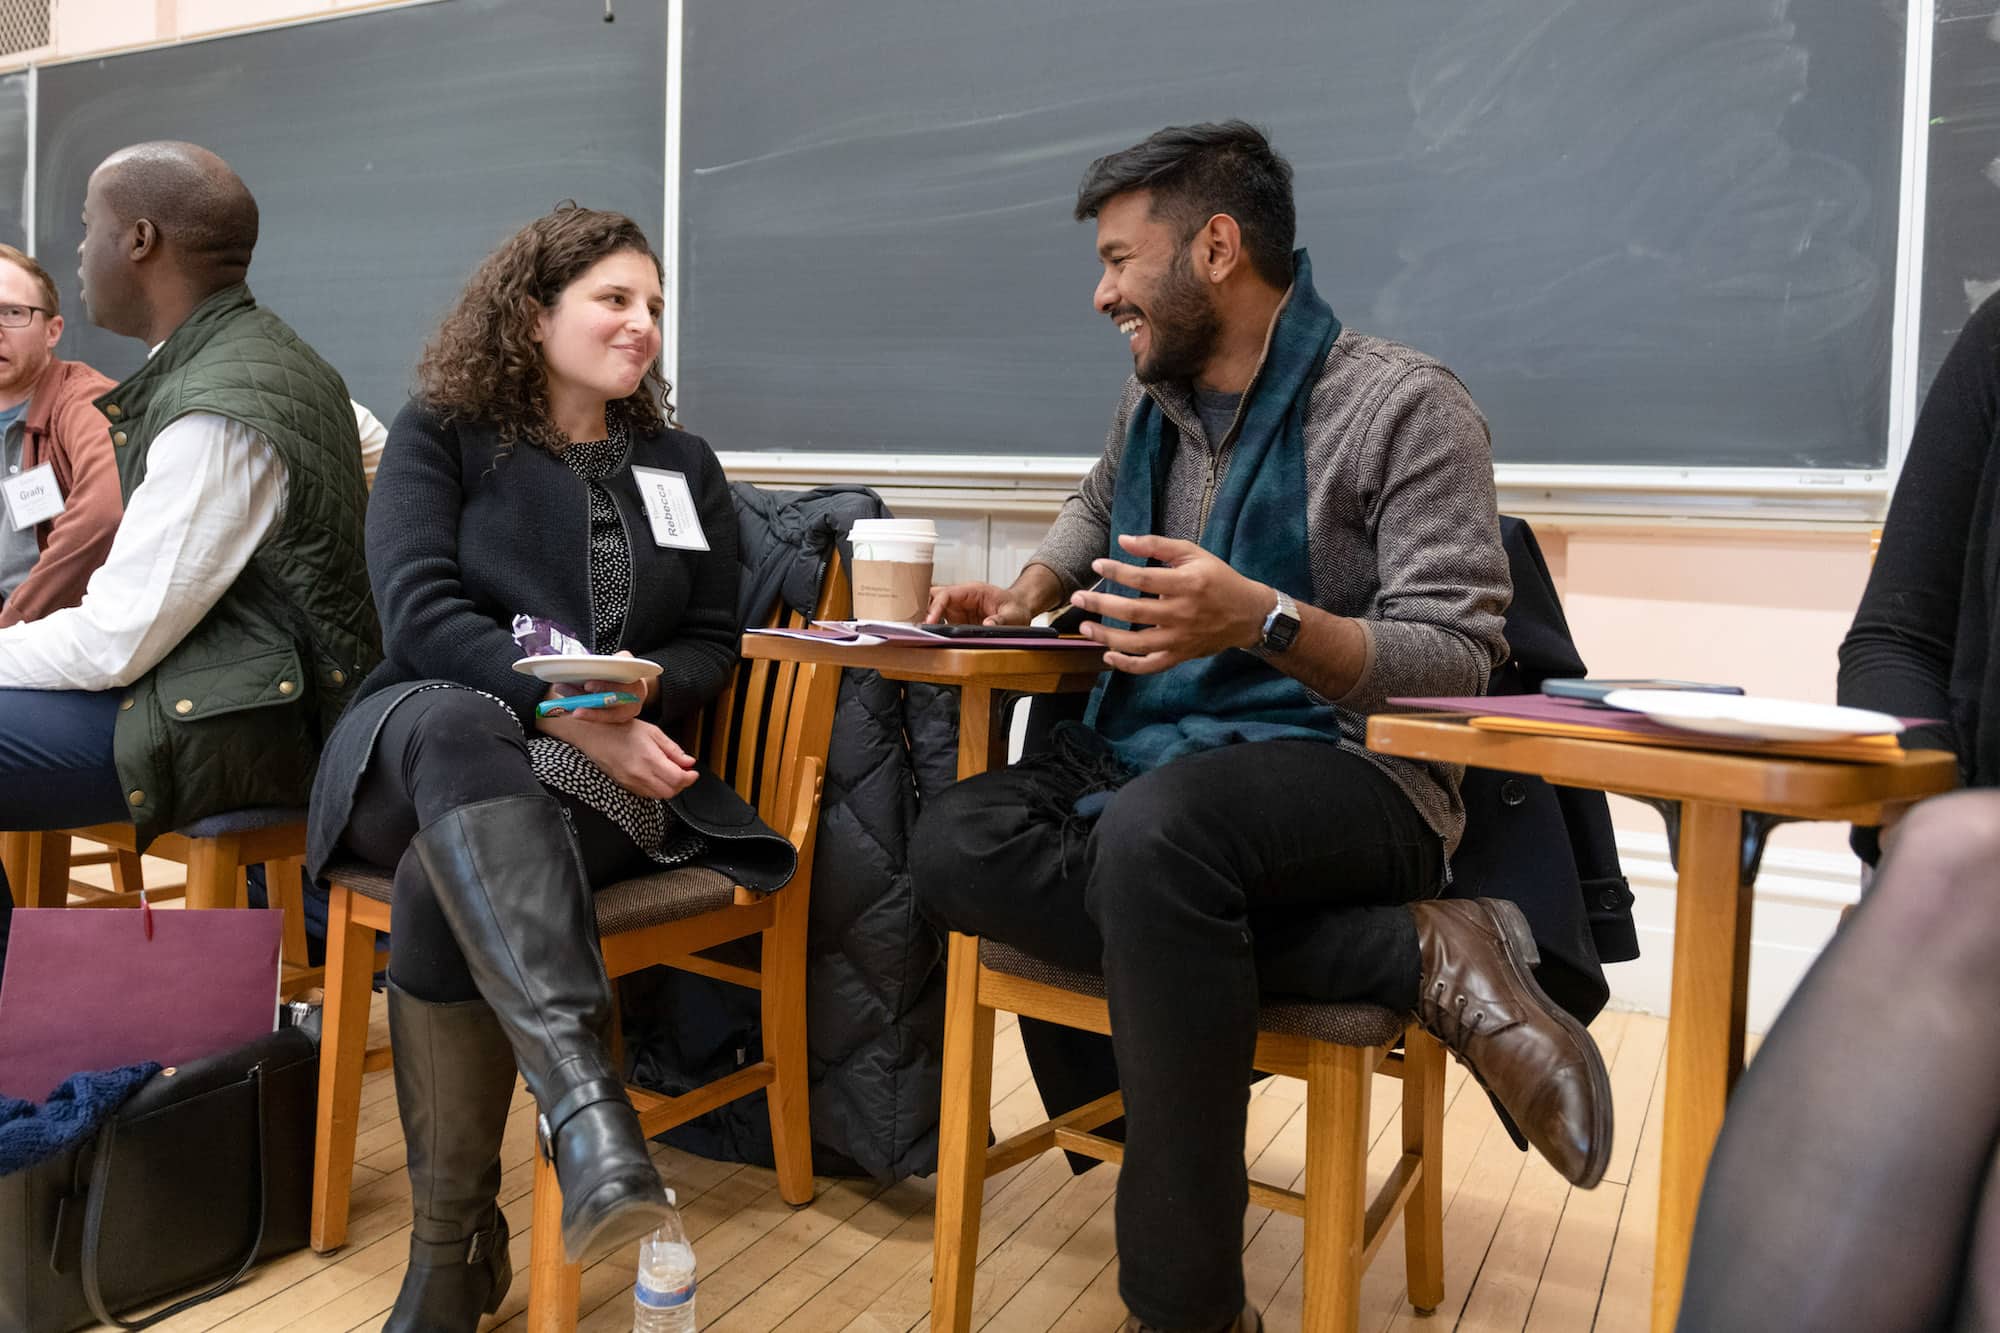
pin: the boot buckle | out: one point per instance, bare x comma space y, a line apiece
475, 1249
545, 1139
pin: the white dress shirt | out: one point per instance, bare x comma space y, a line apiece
373, 436
214, 490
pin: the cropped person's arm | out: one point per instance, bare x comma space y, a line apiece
1897, 654
79, 537
1082, 531
696, 662
214, 489
1443, 575
430, 626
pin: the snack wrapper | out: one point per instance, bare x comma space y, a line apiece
546, 638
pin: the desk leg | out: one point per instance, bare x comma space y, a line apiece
1704, 1032
982, 730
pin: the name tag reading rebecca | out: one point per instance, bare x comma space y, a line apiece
33, 497
670, 509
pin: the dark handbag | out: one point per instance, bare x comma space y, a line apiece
204, 1172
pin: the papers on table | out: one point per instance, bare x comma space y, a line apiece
857, 633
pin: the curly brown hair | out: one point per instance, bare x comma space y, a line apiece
484, 364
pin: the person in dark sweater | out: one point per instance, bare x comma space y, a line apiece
537, 472
1922, 643
1827, 1164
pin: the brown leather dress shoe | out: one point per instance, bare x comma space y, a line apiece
1478, 996
1247, 1322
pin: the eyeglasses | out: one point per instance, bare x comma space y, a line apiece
19, 316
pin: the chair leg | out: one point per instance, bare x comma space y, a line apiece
214, 875
126, 875
554, 1283
1337, 1086
963, 1121
350, 956
784, 1023
1423, 1138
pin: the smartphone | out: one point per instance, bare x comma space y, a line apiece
995, 631
573, 703
1593, 691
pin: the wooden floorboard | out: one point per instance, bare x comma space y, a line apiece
1523, 1251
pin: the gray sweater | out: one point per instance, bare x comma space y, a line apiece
1401, 518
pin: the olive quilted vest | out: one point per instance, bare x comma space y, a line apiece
235, 715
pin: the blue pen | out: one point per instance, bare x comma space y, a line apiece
570, 703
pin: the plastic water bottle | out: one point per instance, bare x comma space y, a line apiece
663, 1299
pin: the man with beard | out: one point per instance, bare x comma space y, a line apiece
1291, 523
61, 483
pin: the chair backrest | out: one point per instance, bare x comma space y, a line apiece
773, 716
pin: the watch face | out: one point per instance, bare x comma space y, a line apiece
1282, 628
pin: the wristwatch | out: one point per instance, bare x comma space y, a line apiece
1280, 627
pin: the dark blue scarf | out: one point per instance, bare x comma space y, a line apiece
1258, 525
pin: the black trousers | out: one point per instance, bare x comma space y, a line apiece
1273, 867
438, 750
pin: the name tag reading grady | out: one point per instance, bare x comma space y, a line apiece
670, 508
32, 497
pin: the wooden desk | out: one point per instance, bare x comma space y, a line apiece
981, 676
1718, 809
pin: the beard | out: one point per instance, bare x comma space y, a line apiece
1183, 325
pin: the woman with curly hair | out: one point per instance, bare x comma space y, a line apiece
537, 472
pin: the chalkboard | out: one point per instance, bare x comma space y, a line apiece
1642, 232
14, 160
1962, 189
389, 152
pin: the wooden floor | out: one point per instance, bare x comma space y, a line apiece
1522, 1249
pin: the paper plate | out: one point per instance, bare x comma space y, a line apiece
576, 669
1749, 717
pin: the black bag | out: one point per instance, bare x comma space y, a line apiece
203, 1172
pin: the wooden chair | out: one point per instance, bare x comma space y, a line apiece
1335, 1048
215, 851
767, 736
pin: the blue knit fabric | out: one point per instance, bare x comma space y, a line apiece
31, 1133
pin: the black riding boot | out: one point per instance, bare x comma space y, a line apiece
454, 1079
511, 885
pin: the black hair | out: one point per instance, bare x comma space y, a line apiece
1194, 172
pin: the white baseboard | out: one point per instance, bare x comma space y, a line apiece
1799, 897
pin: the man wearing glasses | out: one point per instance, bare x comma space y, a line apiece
59, 500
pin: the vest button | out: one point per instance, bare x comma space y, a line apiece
125, 704
113, 411
338, 677
184, 707
136, 797
118, 438
286, 687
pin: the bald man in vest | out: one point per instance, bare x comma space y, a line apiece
231, 620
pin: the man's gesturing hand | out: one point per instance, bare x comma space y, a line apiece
1194, 605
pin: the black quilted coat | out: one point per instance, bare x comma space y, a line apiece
875, 979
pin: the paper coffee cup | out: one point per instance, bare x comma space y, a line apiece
892, 567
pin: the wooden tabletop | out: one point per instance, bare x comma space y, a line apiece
1040, 670
1803, 788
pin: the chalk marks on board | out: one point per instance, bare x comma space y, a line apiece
1637, 186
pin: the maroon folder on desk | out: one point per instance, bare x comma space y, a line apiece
89, 989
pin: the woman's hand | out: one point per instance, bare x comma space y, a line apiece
617, 713
638, 756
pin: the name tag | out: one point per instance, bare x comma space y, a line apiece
33, 497
670, 508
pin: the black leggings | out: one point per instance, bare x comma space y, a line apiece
441, 749
1856, 1183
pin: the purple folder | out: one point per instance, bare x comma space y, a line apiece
87, 989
